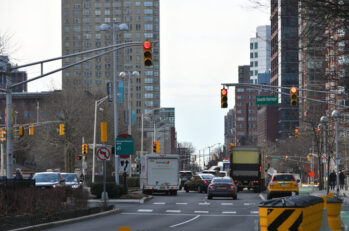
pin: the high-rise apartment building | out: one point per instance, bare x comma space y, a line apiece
260, 53
244, 76
81, 21
284, 59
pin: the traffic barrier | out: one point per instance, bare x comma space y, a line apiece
291, 213
333, 206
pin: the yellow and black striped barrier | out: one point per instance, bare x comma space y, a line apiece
333, 206
291, 213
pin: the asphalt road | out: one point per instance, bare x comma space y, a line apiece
186, 211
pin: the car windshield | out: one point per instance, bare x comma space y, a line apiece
46, 178
70, 177
207, 177
283, 178
224, 181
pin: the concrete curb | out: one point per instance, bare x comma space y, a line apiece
122, 201
68, 221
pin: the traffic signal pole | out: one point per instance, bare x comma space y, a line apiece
9, 149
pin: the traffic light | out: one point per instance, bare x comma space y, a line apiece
308, 157
31, 129
20, 130
2, 134
147, 53
286, 158
84, 157
224, 98
294, 97
104, 132
296, 132
61, 129
194, 158
84, 148
318, 130
214, 157
156, 147
79, 157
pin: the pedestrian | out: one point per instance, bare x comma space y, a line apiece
30, 176
19, 175
341, 179
332, 180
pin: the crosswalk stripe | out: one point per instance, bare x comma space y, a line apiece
254, 212
159, 203
229, 212
173, 211
145, 210
181, 203
205, 203
200, 211
226, 203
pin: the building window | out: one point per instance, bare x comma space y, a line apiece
128, 4
255, 45
148, 18
116, 4
148, 103
148, 73
255, 55
148, 80
255, 72
251, 73
251, 46
148, 11
256, 63
147, 26
148, 3
97, 12
251, 64
251, 55
148, 88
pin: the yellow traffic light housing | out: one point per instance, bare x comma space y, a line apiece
20, 130
309, 157
31, 129
224, 98
147, 53
296, 131
2, 134
156, 147
293, 97
61, 129
286, 158
84, 148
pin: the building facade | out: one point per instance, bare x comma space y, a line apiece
81, 31
260, 53
267, 125
244, 74
284, 60
229, 128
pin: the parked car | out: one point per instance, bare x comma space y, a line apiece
222, 187
198, 183
48, 180
71, 180
282, 184
184, 177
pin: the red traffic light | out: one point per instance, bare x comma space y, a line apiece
79, 157
146, 45
224, 92
293, 90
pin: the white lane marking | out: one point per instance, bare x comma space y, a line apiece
254, 212
205, 203
262, 197
226, 203
173, 211
247, 204
182, 223
229, 212
145, 210
191, 214
159, 203
200, 211
181, 203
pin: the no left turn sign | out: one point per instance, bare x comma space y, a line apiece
103, 153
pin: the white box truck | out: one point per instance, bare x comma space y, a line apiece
160, 173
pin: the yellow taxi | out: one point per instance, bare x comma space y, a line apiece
282, 184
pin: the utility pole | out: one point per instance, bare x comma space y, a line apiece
9, 153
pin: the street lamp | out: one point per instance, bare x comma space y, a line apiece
323, 121
335, 115
115, 27
97, 103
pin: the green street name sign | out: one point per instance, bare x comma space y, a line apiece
124, 146
267, 99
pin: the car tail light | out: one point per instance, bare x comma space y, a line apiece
235, 181
260, 168
173, 187
150, 187
212, 186
232, 187
255, 181
54, 186
205, 182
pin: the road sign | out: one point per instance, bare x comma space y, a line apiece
324, 159
267, 99
124, 145
275, 159
124, 165
311, 174
103, 153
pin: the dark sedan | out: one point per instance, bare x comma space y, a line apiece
222, 187
71, 180
48, 180
198, 183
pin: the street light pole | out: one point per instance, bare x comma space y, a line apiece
335, 114
323, 121
9, 169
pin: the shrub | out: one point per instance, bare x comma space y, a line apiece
113, 190
133, 181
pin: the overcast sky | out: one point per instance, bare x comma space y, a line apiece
202, 44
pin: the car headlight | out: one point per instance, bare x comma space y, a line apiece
75, 186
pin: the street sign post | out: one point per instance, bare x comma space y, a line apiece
124, 165
267, 99
124, 145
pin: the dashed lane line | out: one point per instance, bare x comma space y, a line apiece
229, 212
181, 203
262, 197
159, 203
145, 210
254, 212
200, 211
204, 203
248, 204
226, 203
173, 211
